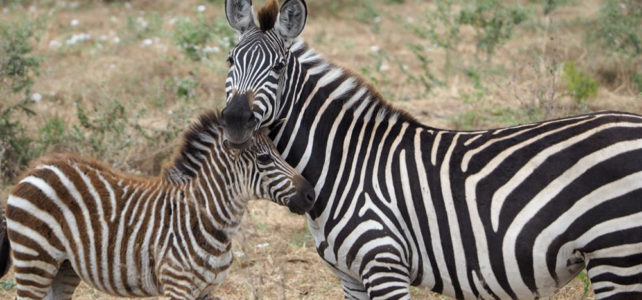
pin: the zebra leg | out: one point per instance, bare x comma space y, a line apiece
353, 289
33, 278
616, 274
64, 284
386, 278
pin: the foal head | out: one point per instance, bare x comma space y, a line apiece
255, 170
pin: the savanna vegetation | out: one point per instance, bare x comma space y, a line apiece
119, 81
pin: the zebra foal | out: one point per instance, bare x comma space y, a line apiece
512, 213
71, 218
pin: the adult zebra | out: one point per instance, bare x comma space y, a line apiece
499, 214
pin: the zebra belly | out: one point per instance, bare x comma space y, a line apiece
130, 281
191, 281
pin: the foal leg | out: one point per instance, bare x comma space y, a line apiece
33, 277
64, 283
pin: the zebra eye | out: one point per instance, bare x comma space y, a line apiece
230, 60
279, 66
264, 159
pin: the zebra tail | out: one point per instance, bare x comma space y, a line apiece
5, 247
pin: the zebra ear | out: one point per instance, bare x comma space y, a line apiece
240, 14
291, 20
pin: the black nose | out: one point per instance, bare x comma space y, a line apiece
238, 119
305, 196
309, 197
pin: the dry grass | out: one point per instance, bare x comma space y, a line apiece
275, 255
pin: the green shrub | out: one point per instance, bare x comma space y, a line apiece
52, 133
441, 29
186, 87
367, 13
18, 67
637, 79
143, 26
103, 130
550, 5
426, 77
493, 22
619, 24
580, 85
192, 37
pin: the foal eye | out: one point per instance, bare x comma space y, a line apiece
279, 66
264, 159
230, 60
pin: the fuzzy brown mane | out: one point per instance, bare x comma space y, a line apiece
268, 14
202, 132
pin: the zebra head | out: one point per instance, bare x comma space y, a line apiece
277, 180
258, 63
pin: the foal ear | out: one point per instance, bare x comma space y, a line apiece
239, 14
291, 20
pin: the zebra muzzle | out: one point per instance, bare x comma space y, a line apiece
238, 119
303, 200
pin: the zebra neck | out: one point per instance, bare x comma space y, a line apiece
219, 198
190, 219
317, 88
316, 93
327, 116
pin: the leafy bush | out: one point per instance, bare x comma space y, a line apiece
105, 129
367, 13
637, 79
493, 22
15, 150
578, 83
52, 133
143, 26
186, 87
550, 5
441, 29
619, 24
18, 66
192, 37
426, 78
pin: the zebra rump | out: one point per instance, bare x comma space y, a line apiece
5, 247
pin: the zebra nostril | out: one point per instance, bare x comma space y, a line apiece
309, 197
251, 121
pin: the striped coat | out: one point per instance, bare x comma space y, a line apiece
499, 214
71, 218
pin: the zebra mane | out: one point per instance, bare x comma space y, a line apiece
313, 60
268, 14
197, 142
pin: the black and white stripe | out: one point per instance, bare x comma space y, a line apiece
499, 214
